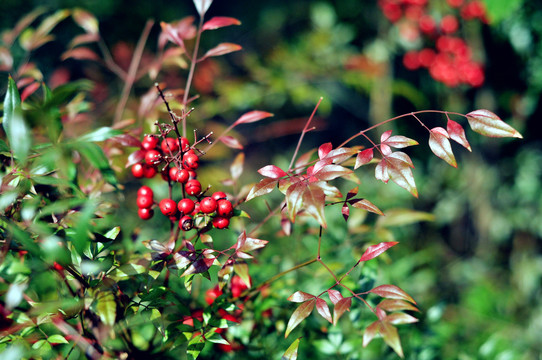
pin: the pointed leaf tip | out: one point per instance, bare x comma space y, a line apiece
375, 250
440, 145
489, 124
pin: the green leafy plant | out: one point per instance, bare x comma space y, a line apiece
73, 282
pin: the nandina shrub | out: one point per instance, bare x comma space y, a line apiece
72, 286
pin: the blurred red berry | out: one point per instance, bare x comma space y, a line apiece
145, 213
455, 3
410, 60
138, 170
238, 286
149, 142
427, 25
449, 24
212, 294
170, 145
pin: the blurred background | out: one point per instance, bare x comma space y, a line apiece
475, 269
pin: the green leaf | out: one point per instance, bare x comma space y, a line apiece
94, 154
291, 352
57, 339
100, 134
106, 307
487, 123
498, 10
294, 198
401, 217
299, 315
17, 132
195, 346
242, 271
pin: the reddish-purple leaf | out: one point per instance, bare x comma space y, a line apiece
221, 49
324, 149
392, 292
457, 134
199, 266
385, 136
126, 140
314, 201
345, 211
135, 157
294, 199
330, 172
265, 186
252, 116
340, 307
367, 205
385, 149
364, 157
401, 318
83, 39
299, 315
323, 309
352, 193
489, 124
218, 22
231, 142
300, 296
29, 90
440, 145
400, 141
339, 155
253, 244
396, 305
375, 250
272, 171
400, 172
334, 295
391, 337
80, 53
370, 333
381, 171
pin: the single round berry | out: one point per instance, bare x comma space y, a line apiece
185, 144
149, 171
168, 207
192, 174
173, 172
149, 142
138, 170
170, 145
152, 157
186, 206
193, 187
224, 208
144, 201
182, 176
191, 161
145, 213
221, 222
186, 223
219, 195
145, 191
207, 205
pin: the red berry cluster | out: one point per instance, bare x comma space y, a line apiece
449, 58
179, 163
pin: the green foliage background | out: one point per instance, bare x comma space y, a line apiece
476, 271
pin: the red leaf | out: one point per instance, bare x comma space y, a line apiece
81, 53
126, 140
252, 116
345, 212
370, 332
199, 266
294, 199
364, 157
399, 171
330, 172
221, 49
218, 22
231, 142
400, 141
323, 309
265, 186
334, 295
340, 307
440, 145
457, 134
396, 305
300, 296
381, 171
367, 205
272, 171
29, 90
314, 201
299, 315
339, 155
401, 318
324, 149
385, 136
375, 250
487, 123
352, 193
392, 292
135, 157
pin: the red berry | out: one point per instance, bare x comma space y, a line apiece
455, 3
411, 61
149, 171
186, 206
138, 170
149, 142
145, 191
449, 24
168, 207
196, 209
152, 157
238, 286
170, 145
220, 222
207, 205
145, 213
173, 172
58, 267
224, 208
427, 24
185, 144
192, 174
219, 195
186, 223
144, 201
182, 176
191, 161
193, 187
212, 294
